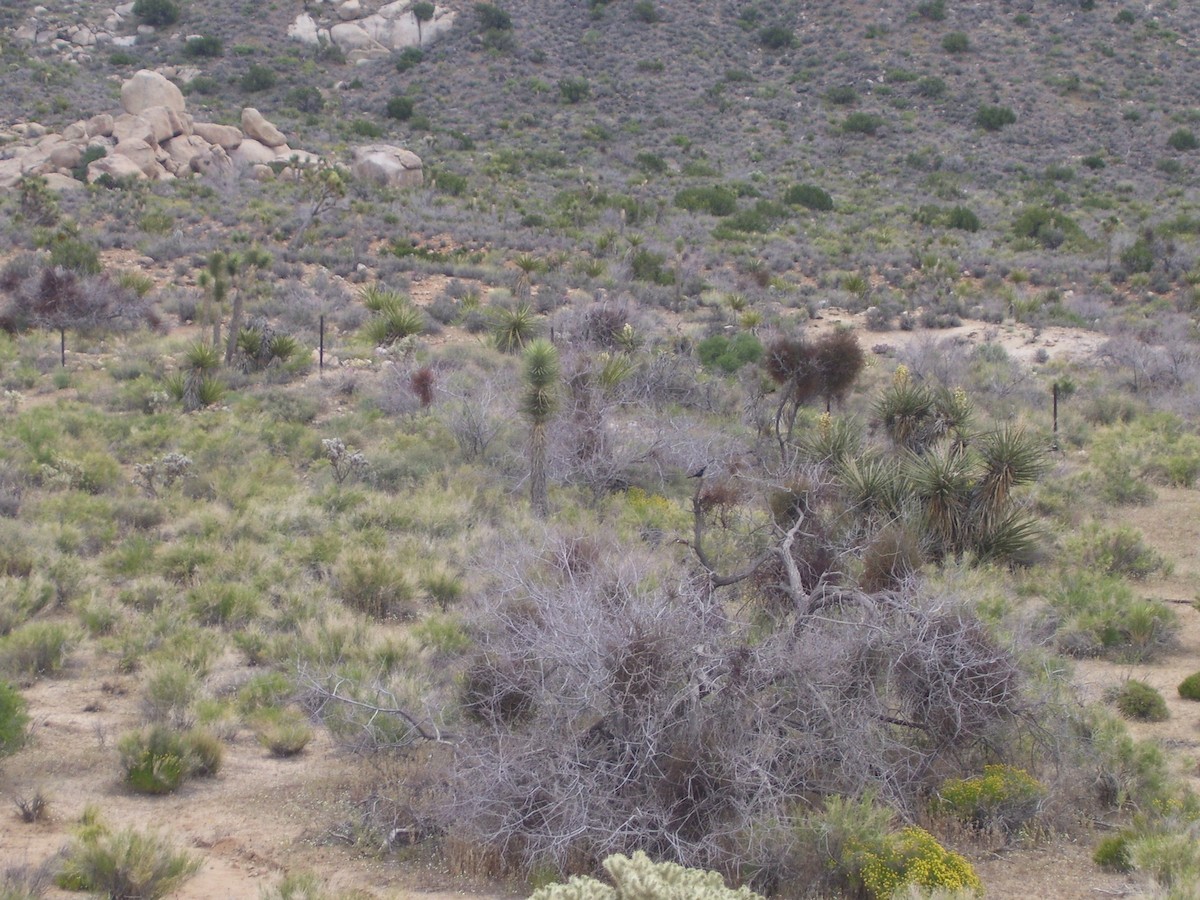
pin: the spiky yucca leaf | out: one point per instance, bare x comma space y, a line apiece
872, 485
905, 409
1012, 537
376, 297
1010, 457
513, 329
941, 480
832, 441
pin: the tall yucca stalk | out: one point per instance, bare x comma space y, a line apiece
539, 404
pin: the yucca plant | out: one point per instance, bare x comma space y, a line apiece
905, 409
1011, 535
513, 329
833, 441
527, 266
941, 481
395, 320
1009, 458
873, 486
539, 404
202, 357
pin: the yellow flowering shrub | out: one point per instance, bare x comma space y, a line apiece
1002, 795
913, 857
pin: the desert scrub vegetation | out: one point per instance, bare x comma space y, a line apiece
13, 719
124, 865
158, 759
1140, 701
282, 551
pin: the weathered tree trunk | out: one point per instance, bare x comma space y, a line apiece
537, 471
235, 326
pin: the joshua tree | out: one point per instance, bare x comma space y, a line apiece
539, 405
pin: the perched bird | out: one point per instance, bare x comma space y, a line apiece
698, 473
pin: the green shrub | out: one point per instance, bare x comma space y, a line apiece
306, 99
265, 690
284, 732
13, 719
1113, 853
156, 12
729, 354
1170, 858
1049, 227
258, 78
365, 128
761, 218
154, 761
1117, 551
933, 10
77, 255
646, 12
1098, 614
169, 691
1189, 688
776, 37
128, 865
574, 90
809, 196
930, 87
993, 118
1182, 139
1002, 796
716, 201
956, 42
1141, 702
493, 18
409, 57
35, 649
862, 123
374, 584
1125, 17
400, 108
962, 218
841, 95
203, 46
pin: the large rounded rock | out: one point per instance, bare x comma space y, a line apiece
251, 152
141, 154
146, 89
256, 126
388, 165
226, 137
116, 166
133, 128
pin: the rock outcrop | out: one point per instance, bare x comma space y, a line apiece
387, 164
366, 30
153, 138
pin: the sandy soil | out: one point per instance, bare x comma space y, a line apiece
259, 818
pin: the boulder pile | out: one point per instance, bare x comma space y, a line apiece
153, 137
365, 31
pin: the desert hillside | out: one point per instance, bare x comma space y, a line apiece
449, 448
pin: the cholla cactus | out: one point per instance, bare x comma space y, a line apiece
638, 878
164, 470
345, 462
